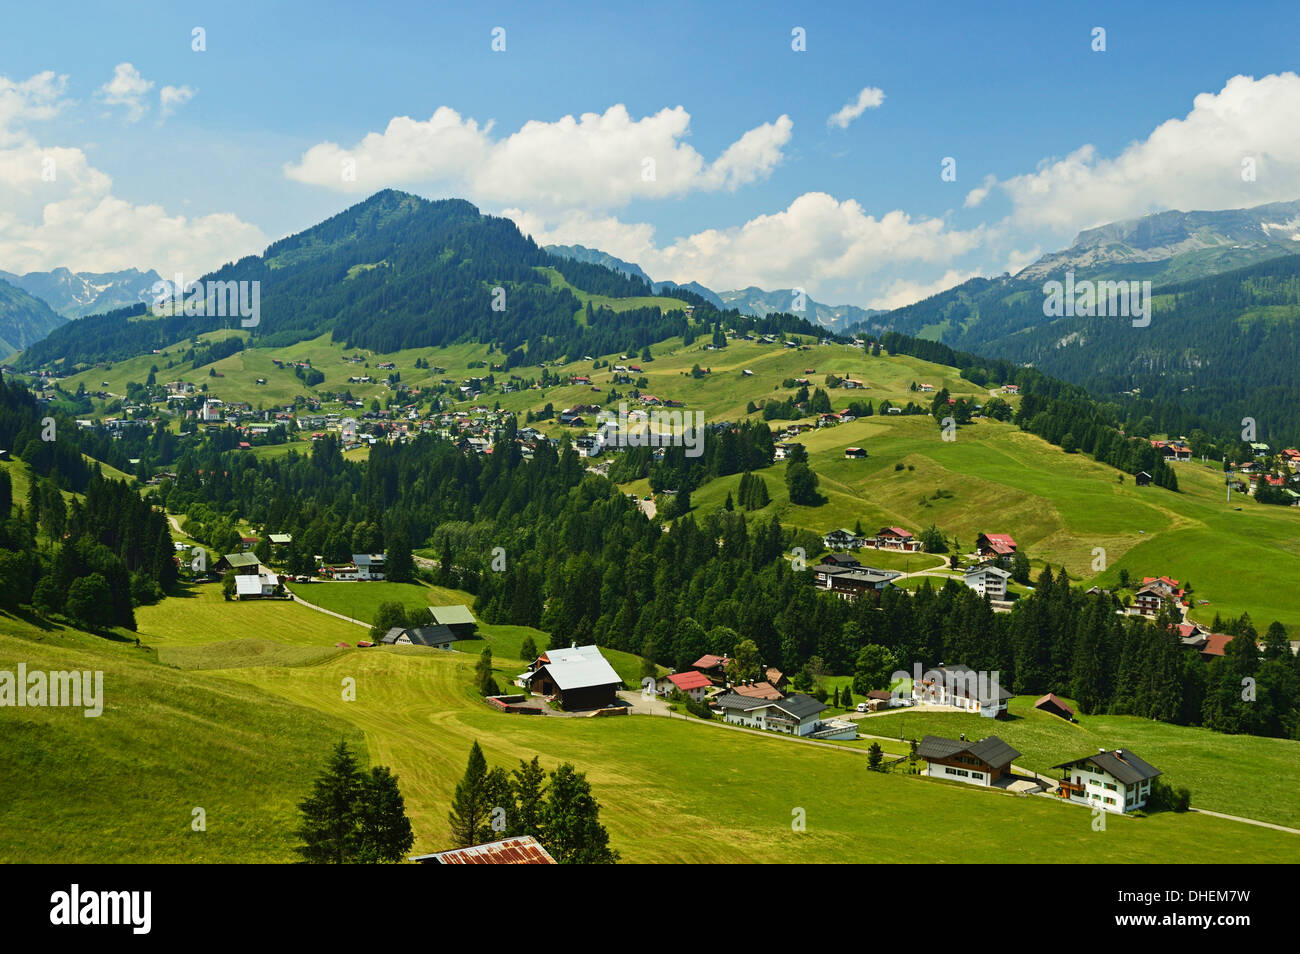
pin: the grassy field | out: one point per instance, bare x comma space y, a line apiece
122, 787
1211, 765
238, 726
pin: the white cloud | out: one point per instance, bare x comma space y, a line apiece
594, 161
869, 98
831, 248
172, 98
975, 197
56, 209
38, 97
1189, 163
902, 292
127, 89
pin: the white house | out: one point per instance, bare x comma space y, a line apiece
254, 586
797, 714
990, 581
975, 763
1115, 781
692, 683
370, 566
962, 688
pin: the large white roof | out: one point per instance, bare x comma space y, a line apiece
579, 667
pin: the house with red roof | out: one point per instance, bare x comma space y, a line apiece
692, 683
896, 538
1155, 592
715, 667
1053, 704
999, 547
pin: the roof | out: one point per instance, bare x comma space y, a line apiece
521, 850
366, 559
881, 694
1000, 542
1120, 764
995, 570
580, 667
241, 559
282, 538
431, 635
992, 750
250, 584
800, 706
708, 662
1215, 644
686, 681
1054, 700
758, 690
896, 531
732, 700
452, 615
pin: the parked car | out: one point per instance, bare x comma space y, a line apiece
862, 707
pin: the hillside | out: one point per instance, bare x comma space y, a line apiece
24, 319
1217, 349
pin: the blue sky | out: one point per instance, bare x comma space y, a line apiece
857, 214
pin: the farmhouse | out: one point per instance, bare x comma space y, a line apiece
998, 547
842, 560
580, 676
896, 538
855, 453
693, 683
458, 619
1142, 478
990, 581
241, 563
1054, 705
1116, 781
963, 688
436, 637
976, 763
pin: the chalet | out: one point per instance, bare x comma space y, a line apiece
1214, 646
999, 547
1116, 781
692, 683
1142, 478
841, 539
458, 619
961, 687
776, 677
715, 667
843, 560
976, 763
1154, 593
520, 850
896, 538
855, 453
370, 566
784, 451
579, 676
989, 580
435, 637
1011, 388
1052, 704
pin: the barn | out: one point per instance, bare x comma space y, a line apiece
580, 676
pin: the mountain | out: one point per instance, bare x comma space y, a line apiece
757, 301
1176, 246
748, 301
397, 271
24, 319
75, 294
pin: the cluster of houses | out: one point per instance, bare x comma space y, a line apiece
758, 704
253, 580
364, 566
886, 538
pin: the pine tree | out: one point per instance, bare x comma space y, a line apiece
329, 828
528, 794
570, 823
471, 807
385, 831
